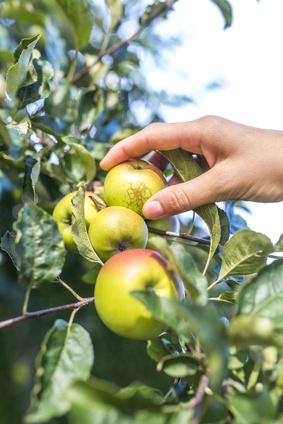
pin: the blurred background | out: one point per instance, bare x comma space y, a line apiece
180, 68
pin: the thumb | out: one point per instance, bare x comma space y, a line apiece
185, 196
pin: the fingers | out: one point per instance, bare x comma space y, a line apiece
177, 198
155, 137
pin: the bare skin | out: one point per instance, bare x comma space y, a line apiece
244, 163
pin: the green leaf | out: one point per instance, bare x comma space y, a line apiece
79, 16
73, 168
183, 264
152, 10
245, 253
16, 75
116, 10
8, 245
91, 103
252, 407
186, 168
226, 10
32, 172
100, 402
66, 356
278, 247
7, 56
39, 246
4, 135
85, 157
91, 276
79, 229
23, 12
164, 345
202, 321
40, 88
246, 330
262, 295
180, 366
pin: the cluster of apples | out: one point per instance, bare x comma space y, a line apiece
119, 235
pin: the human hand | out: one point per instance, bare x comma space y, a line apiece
245, 163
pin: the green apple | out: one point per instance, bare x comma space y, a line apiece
62, 214
168, 223
130, 184
115, 229
128, 271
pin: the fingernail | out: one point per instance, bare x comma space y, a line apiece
153, 210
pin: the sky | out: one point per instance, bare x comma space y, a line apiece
236, 73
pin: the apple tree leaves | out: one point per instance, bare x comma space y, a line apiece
66, 356
36, 247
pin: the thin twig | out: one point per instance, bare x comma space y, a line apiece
29, 315
117, 46
179, 235
199, 398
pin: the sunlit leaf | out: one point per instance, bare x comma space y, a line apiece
87, 160
16, 75
246, 330
79, 16
278, 247
39, 246
262, 295
116, 10
226, 10
79, 229
7, 56
23, 12
66, 356
245, 253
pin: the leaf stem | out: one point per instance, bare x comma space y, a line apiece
76, 295
29, 315
221, 300
26, 299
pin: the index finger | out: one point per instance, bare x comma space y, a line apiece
157, 136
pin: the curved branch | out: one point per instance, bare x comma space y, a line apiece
29, 315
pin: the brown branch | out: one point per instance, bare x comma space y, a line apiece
167, 5
199, 398
178, 235
29, 315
